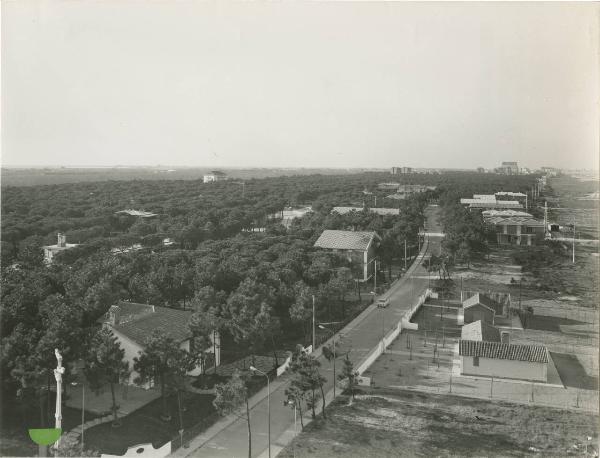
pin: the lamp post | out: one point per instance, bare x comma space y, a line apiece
254, 369
334, 354
58, 372
82, 409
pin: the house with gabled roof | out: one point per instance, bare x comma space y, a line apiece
479, 330
482, 307
132, 323
357, 246
503, 360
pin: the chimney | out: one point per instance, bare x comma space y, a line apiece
504, 337
114, 315
62, 240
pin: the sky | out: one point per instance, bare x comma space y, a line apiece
443, 85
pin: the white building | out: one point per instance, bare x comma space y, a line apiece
215, 175
503, 360
133, 323
51, 250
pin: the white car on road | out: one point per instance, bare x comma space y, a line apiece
383, 303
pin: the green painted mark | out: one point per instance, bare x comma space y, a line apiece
46, 436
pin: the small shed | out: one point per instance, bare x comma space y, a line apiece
480, 307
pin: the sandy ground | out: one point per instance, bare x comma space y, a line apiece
393, 423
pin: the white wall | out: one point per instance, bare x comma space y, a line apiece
504, 368
132, 350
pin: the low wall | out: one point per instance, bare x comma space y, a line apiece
281, 369
404, 323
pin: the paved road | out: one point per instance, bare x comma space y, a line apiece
359, 337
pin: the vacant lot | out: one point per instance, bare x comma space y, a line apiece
386, 423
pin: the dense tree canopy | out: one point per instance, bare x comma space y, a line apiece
252, 285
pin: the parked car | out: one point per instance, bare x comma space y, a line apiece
383, 303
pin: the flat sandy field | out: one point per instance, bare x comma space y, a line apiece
393, 423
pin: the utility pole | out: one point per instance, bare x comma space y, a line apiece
313, 323
375, 277
545, 217
573, 240
405, 254
526, 207
520, 285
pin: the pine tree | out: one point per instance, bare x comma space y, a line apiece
104, 365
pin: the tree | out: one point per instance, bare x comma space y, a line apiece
231, 398
202, 326
104, 365
307, 378
463, 254
301, 310
350, 375
162, 360
295, 396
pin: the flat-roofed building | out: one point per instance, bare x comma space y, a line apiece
137, 213
215, 175
52, 250
516, 230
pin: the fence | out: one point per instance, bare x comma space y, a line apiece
431, 367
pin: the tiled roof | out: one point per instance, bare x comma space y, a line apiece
497, 350
483, 300
478, 330
345, 240
514, 220
137, 321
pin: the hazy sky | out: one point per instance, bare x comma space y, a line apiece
303, 84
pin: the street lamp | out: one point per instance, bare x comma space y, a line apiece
82, 408
254, 369
290, 403
334, 355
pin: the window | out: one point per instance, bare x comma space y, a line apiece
476, 361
